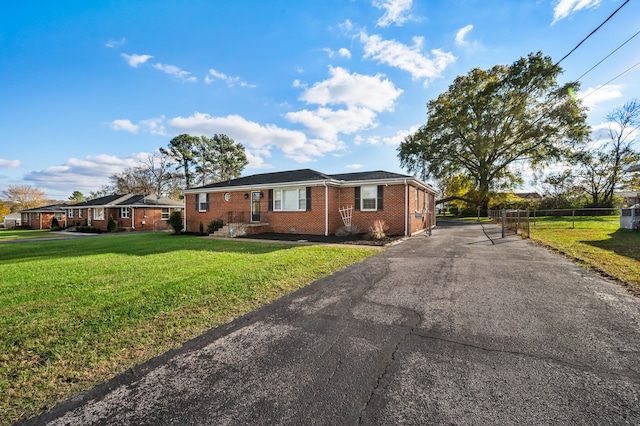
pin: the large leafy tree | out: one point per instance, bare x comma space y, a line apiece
182, 149
489, 121
603, 168
219, 158
24, 197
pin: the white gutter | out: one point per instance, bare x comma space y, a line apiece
326, 209
406, 207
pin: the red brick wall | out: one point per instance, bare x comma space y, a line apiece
33, 220
313, 221
392, 213
140, 219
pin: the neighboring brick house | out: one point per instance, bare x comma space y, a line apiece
308, 202
41, 217
131, 212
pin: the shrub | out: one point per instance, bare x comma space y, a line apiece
88, 229
376, 231
175, 221
112, 226
55, 225
214, 225
347, 230
201, 228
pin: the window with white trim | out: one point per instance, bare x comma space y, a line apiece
164, 215
369, 197
125, 213
70, 213
417, 199
79, 213
202, 202
290, 199
98, 213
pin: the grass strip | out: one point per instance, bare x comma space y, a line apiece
74, 313
597, 242
22, 234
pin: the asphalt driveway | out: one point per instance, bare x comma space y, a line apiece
448, 329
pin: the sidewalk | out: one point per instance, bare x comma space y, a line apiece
448, 329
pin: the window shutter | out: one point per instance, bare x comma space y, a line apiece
207, 195
380, 196
270, 198
357, 196
197, 202
308, 198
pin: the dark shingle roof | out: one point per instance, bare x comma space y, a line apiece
129, 200
302, 175
149, 200
47, 209
101, 201
374, 175
270, 178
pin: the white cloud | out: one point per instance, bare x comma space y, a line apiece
354, 166
125, 125
135, 60
398, 138
175, 71
593, 96
564, 8
326, 123
293, 143
112, 44
256, 159
344, 52
9, 164
85, 175
373, 92
346, 26
155, 126
230, 81
329, 52
396, 11
462, 33
407, 58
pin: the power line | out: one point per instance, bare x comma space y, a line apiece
614, 78
605, 58
592, 32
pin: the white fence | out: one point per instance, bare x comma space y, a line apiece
630, 219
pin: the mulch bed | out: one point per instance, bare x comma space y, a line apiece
361, 239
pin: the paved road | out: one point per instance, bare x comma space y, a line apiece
450, 329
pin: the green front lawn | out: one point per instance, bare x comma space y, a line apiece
74, 313
598, 242
23, 234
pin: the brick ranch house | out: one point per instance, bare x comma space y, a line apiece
309, 202
41, 217
132, 212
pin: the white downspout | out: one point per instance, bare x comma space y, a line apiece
184, 213
406, 208
326, 209
133, 218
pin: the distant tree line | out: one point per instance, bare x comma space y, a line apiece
187, 161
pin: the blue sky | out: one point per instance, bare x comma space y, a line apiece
89, 88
